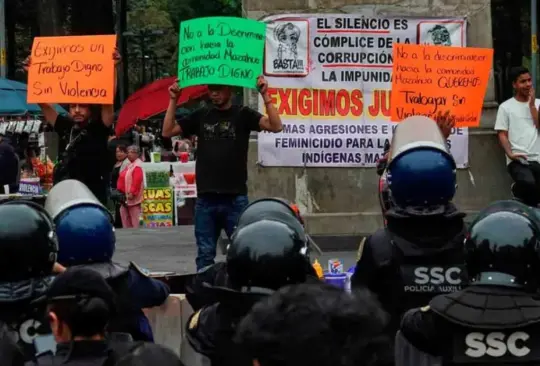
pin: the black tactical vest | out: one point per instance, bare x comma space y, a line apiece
23, 321
417, 275
495, 347
490, 325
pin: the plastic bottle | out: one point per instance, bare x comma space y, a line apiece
318, 269
350, 273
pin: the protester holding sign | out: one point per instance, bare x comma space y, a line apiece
517, 127
223, 132
220, 52
84, 134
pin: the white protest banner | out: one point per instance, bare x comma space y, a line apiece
330, 79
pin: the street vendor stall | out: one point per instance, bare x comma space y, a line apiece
22, 126
169, 195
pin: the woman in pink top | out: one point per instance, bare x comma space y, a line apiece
131, 183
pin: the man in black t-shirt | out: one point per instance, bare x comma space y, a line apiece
85, 138
223, 132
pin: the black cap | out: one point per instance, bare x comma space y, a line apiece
76, 283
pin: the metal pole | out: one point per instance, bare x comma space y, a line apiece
125, 68
120, 70
143, 55
534, 43
3, 58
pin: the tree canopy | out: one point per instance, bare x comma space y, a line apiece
26, 19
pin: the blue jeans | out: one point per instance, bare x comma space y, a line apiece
212, 214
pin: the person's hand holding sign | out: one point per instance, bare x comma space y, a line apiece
117, 57
262, 87
446, 122
271, 122
26, 63
175, 91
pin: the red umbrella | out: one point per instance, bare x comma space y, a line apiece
151, 100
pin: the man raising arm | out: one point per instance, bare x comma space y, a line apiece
223, 131
85, 140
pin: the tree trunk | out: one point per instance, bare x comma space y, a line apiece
50, 21
11, 48
92, 17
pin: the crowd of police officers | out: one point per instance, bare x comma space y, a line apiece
453, 294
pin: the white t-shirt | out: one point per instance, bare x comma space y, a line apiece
515, 117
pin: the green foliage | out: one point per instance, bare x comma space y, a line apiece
166, 15
23, 17
146, 16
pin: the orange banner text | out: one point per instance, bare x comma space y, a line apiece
75, 69
335, 103
433, 80
310, 103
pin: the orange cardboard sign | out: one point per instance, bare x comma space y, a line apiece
78, 69
431, 80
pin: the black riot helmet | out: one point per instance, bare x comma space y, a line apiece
272, 208
266, 255
277, 209
503, 246
28, 245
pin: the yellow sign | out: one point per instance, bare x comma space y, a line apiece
2, 56
158, 207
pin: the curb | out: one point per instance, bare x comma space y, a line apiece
327, 243
330, 243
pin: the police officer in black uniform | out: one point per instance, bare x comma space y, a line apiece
197, 293
419, 254
86, 238
496, 320
264, 256
79, 305
446, 123
28, 250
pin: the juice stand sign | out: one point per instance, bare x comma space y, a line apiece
157, 207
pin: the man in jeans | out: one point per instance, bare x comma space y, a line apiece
223, 131
517, 128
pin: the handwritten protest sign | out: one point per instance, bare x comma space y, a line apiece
431, 80
157, 207
221, 50
78, 69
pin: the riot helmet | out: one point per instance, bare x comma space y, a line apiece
28, 245
84, 226
503, 246
278, 209
421, 171
273, 208
266, 254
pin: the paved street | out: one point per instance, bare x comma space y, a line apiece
173, 249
